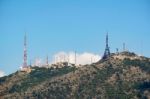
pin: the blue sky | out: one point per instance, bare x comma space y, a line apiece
68, 25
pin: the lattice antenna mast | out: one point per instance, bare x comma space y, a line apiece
141, 48
107, 51
124, 47
107, 40
25, 52
47, 63
75, 58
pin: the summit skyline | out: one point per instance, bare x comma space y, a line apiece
68, 26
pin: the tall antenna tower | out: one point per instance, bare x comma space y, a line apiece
30, 63
141, 48
75, 58
107, 51
124, 47
91, 60
117, 50
25, 52
68, 58
47, 63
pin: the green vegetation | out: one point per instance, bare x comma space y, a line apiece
142, 86
144, 64
39, 75
3, 79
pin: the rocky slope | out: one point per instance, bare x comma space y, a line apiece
123, 76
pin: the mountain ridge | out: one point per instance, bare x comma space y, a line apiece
123, 75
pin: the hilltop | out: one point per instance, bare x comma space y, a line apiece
123, 75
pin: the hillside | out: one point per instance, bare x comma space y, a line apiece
123, 76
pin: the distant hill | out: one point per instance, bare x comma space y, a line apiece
122, 76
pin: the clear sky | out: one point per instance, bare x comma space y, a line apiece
68, 25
